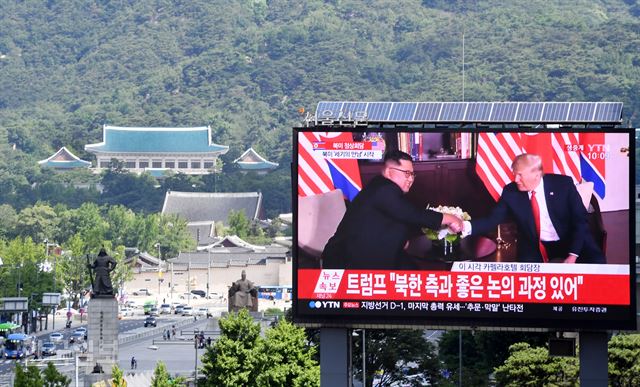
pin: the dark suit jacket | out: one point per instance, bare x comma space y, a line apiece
375, 228
567, 214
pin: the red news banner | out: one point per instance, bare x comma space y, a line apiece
474, 281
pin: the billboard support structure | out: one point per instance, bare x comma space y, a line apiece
334, 357
593, 359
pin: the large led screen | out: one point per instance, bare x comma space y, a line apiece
373, 248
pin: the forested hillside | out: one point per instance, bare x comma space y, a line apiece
246, 66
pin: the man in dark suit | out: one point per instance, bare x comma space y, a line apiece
378, 223
560, 232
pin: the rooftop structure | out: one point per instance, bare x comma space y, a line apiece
63, 159
156, 150
250, 160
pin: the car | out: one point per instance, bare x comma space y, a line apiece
214, 296
154, 312
56, 337
83, 330
142, 292
200, 293
150, 321
186, 296
201, 312
126, 312
131, 304
187, 311
76, 337
178, 309
48, 348
165, 309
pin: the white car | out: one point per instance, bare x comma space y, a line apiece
56, 337
126, 312
189, 295
165, 309
187, 311
201, 312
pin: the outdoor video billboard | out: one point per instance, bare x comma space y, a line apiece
483, 279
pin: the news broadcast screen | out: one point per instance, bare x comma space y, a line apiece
445, 228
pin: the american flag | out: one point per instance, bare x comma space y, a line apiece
561, 153
317, 174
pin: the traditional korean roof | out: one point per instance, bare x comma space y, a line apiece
118, 139
64, 159
210, 206
231, 241
251, 160
229, 256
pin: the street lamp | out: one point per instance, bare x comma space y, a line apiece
195, 344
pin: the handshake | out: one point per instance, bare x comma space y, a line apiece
453, 222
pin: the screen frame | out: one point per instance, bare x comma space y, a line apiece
532, 324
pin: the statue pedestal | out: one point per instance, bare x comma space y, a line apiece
102, 342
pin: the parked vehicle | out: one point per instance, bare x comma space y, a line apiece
186, 296
142, 292
150, 321
200, 293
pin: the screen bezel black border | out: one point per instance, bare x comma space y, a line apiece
464, 323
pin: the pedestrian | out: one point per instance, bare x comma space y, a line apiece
133, 363
173, 331
208, 341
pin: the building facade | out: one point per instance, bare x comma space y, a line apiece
158, 150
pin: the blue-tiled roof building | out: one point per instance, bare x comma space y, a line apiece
250, 160
155, 150
63, 159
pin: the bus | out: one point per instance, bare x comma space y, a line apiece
274, 292
6, 329
18, 346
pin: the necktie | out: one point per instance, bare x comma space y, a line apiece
536, 218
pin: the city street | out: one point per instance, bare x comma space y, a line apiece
178, 353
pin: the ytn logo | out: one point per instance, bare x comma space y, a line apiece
324, 304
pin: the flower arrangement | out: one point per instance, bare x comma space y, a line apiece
444, 233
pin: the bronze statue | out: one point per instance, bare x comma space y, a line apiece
102, 267
243, 294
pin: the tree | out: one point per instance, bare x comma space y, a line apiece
161, 377
286, 358
481, 352
527, 366
27, 378
397, 354
53, 377
238, 223
232, 360
117, 377
39, 222
624, 360
74, 266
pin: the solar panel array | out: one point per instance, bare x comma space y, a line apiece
474, 112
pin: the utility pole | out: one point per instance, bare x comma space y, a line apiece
208, 270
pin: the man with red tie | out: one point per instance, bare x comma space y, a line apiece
551, 219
